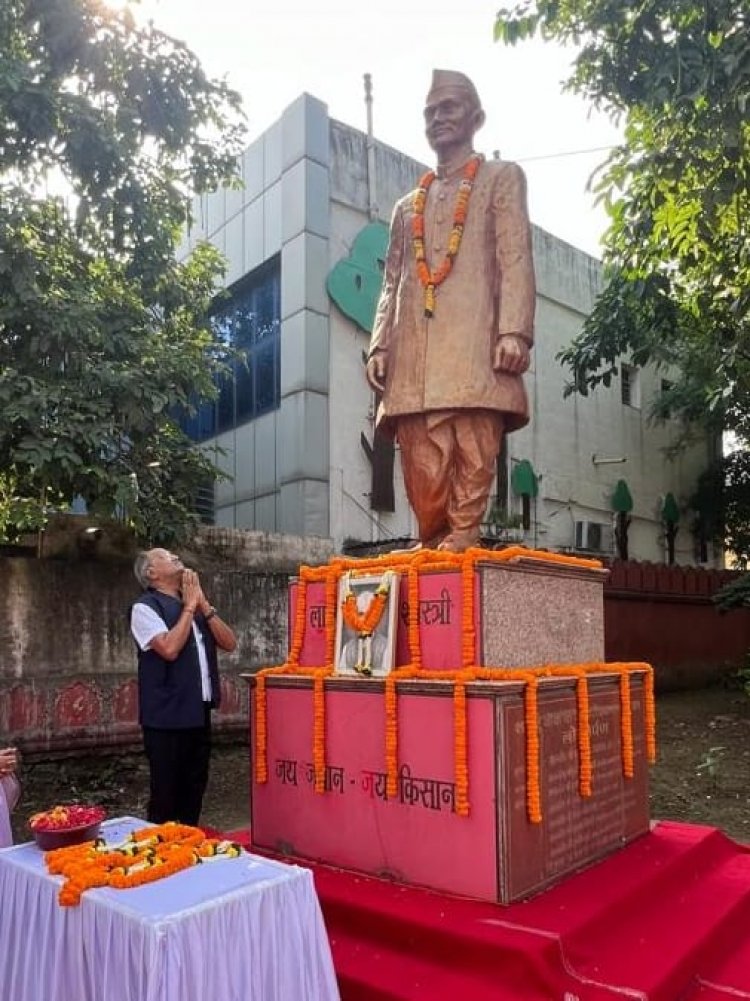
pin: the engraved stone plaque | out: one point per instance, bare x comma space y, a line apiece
575, 831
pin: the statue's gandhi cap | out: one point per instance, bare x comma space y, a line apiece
442, 79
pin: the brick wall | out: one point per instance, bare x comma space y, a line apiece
665, 615
67, 661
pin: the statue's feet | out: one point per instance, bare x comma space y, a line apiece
433, 543
459, 542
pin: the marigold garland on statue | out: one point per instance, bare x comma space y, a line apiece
431, 279
145, 856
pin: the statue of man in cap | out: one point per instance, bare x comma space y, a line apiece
455, 321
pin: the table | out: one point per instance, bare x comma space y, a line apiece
243, 929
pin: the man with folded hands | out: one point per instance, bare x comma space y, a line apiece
178, 633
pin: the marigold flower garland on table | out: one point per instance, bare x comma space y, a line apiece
431, 279
146, 855
414, 564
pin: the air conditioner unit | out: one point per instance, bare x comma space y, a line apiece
594, 537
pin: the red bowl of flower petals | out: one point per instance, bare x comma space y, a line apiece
61, 826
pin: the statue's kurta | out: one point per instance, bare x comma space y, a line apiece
445, 363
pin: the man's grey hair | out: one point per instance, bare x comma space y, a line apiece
140, 568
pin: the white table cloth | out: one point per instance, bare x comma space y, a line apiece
8, 789
243, 929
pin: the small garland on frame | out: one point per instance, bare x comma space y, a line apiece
429, 279
365, 624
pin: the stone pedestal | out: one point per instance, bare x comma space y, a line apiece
526, 613
416, 837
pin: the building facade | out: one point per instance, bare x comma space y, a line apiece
293, 426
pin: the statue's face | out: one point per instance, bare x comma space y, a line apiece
451, 119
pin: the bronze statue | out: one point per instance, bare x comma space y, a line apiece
455, 321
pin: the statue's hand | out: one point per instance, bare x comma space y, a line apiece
376, 372
511, 355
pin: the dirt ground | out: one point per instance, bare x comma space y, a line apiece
702, 773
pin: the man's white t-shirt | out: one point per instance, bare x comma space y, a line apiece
146, 624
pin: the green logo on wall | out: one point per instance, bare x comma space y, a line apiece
354, 283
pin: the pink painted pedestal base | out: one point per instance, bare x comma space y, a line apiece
493, 854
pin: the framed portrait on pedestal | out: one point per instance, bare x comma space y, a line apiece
366, 625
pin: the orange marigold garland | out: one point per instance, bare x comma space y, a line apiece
298, 627
331, 583
522, 553
391, 726
580, 672
318, 674
261, 729
431, 279
649, 703
626, 725
415, 642
319, 732
468, 632
649, 712
391, 736
585, 767
531, 720
145, 856
365, 624
460, 751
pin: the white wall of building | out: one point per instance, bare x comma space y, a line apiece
279, 462
570, 441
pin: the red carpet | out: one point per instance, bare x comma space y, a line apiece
665, 919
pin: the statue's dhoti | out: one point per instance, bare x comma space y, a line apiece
448, 460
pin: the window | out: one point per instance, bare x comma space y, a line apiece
594, 537
630, 385
204, 504
249, 322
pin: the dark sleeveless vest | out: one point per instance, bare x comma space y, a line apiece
169, 692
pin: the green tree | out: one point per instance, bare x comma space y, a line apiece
676, 75
107, 130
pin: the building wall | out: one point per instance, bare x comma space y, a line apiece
665, 615
278, 462
303, 469
566, 435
